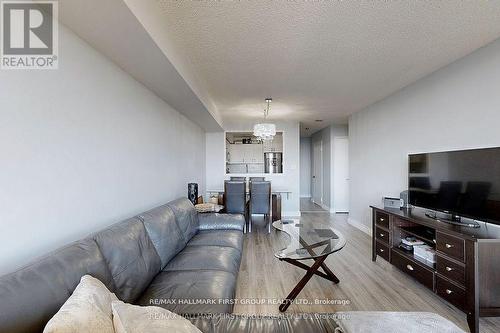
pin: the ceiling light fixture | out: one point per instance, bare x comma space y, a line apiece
265, 131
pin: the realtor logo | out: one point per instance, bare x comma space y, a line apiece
29, 35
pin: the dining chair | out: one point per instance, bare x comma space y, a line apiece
239, 179
257, 179
260, 202
235, 199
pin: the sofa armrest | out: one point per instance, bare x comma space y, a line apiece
216, 221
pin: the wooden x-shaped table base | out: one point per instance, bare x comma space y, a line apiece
311, 270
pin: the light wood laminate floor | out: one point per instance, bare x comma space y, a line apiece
306, 205
366, 285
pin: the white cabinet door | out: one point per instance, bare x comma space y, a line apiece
247, 155
258, 153
236, 154
278, 144
275, 146
267, 146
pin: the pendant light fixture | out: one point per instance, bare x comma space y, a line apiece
265, 131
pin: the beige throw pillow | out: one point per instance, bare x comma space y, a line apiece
88, 309
129, 318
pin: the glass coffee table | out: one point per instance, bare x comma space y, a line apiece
308, 241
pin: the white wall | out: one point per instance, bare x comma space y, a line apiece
454, 108
83, 147
290, 179
305, 167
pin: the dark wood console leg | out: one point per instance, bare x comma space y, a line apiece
473, 321
472, 284
374, 250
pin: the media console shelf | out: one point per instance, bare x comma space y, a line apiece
467, 268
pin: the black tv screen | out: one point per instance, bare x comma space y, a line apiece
464, 183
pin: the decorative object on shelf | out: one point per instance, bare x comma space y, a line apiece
193, 193
405, 200
208, 208
214, 199
409, 243
389, 202
425, 252
265, 131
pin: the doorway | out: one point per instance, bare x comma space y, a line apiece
317, 174
341, 175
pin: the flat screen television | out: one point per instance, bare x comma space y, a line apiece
463, 183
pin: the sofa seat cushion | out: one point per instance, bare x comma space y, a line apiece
131, 257
228, 238
164, 232
191, 292
221, 258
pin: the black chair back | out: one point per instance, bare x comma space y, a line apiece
234, 197
260, 197
257, 179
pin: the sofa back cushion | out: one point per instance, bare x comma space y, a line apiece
186, 217
30, 296
164, 232
131, 257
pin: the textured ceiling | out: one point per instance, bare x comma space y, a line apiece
317, 59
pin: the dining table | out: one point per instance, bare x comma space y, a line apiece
277, 191
276, 194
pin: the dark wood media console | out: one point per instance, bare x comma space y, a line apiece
467, 268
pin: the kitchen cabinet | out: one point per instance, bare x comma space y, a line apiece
275, 146
246, 153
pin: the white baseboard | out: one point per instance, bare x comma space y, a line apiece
328, 209
325, 207
360, 226
291, 214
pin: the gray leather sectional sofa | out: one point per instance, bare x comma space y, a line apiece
167, 254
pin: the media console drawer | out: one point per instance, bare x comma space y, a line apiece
382, 235
418, 272
451, 270
451, 246
450, 292
382, 219
382, 250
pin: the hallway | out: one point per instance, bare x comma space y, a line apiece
306, 205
